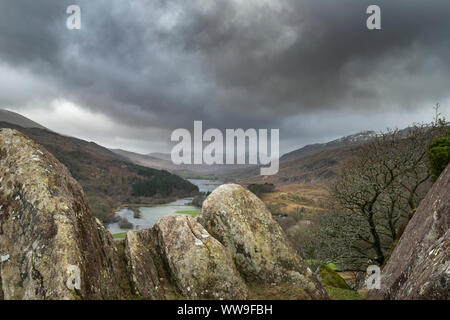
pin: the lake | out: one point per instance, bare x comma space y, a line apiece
151, 215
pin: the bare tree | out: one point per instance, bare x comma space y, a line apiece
378, 190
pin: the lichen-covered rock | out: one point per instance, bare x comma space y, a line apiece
198, 265
242, 223
48, 235
419, 267
141, 269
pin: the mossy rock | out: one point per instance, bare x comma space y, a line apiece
331, 278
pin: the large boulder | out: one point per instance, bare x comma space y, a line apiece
419, 267
262, 254
196, 263
48, 236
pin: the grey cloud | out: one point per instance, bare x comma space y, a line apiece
231, 63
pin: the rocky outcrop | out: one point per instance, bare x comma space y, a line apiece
232, 246
52, 247
198, 265
48, 236
242, 223
419, 267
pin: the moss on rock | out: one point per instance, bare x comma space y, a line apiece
331, 278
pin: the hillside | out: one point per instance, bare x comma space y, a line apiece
313, 163
312, 149
145, 160
17, 119
108, 179
158, 155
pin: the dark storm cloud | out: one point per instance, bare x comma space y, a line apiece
230, 63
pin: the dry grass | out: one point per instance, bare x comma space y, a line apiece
289, 198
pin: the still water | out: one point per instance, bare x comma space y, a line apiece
150, 215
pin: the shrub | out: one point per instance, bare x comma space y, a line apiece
259, 189
439, 155
125, 224
197, 201
137, 214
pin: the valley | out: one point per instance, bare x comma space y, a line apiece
108, 179
221, 153
129, 191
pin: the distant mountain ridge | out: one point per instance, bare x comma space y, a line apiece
164, 161
159, 155
311, 149
311, 163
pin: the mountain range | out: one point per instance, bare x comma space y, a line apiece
308, 164
312, 163
110, 177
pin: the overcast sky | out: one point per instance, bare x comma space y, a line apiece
138, 69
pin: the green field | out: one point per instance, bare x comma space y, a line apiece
121, 235
189, 212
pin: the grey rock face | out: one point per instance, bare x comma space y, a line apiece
199, 266
48, 235
419, 267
